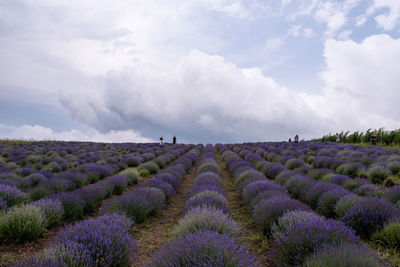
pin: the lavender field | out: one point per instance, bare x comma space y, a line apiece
249, 204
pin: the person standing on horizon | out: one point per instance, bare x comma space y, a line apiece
296, 138
373, 139
174, 140
337, 138
161, 141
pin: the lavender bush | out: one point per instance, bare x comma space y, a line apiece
203, 248
267, 211
206, 219
378, 174
52, 210
304, 238
73, 205
327, 202
370, 215
290, 218
205, 202
106, 238
254, 188
21, 224
3, 205
343, 255
167, 188
392, 194
12, 195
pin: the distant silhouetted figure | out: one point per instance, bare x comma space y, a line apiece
161, 141
290, 140
174, 140
373, 139
337, 138
296, 138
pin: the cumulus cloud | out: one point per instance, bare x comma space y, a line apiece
202, 96
389, 19
361, 83
37, 132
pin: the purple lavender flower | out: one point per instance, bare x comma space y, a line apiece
12, 195
203, 249
254, 188
366, 190
176, 171
301, 240
199, 188
106, 238
275, 170
296, 183
206, 202
327, 201
314, 191
92, 195
267, 211
370, 215
169, 178
343, 255
167, 188
392, 194
339, 179
52, 210
206, 219
3, 205
73, 205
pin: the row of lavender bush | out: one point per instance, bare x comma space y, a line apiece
43, 183
379, 165
151, 196
205, 235
371, 211
27, 222
301, 237
106, 240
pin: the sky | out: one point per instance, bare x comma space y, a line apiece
207, 71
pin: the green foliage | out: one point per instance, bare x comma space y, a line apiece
389, 235
388, 138
21, 224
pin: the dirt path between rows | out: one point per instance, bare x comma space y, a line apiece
152, 234
250, 237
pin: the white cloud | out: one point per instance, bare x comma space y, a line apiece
308, 33
298, 30
344, 35
361, 20
362, 83
295, 30
332, 15
389, 19
203, 94
37, 132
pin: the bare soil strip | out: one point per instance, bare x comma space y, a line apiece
152, 234
251, 236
